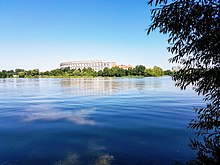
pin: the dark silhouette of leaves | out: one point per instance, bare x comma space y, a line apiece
193, 27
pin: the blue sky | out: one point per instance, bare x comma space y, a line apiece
43, 33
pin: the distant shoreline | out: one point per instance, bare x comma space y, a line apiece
72, 77
138, 71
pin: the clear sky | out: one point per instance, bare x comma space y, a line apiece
43, 33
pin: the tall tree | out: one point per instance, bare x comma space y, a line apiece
139, 70
35, 72
193, 27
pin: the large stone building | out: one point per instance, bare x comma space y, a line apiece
94, 64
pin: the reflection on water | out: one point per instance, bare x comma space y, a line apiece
74, 159
95, 121
105, 86
46, 113
71, 159
104, 160
88, 86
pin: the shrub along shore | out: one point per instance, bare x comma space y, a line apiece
137, 71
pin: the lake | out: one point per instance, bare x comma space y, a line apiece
131, 121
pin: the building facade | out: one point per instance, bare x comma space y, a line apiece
125, 66
94, 64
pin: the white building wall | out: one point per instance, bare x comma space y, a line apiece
96, 65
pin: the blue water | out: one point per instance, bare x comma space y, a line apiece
95, 121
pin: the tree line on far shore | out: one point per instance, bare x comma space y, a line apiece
139, 71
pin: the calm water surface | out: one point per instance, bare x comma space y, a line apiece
95, 121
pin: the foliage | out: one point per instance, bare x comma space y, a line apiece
130, 71
118, 72
106, 72
155, 72
19, 70
139, 70
21, 74
6, 74
149, 72
193, 27
35, 72
89, 72
158, 71
169, 72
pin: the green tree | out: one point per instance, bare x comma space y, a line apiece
10, 73
71, 72
169, 72
100, 73
155, 72
21, 74
121, 72
4, 74
56, 72
46, 73
18, 70
89, 72
130, 71
139, 70
118, 72
149, 72
66, 69
158, 71
28, 73
107, 72
77, 72
35, 72
193, 27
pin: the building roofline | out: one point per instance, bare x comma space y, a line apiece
81, 61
